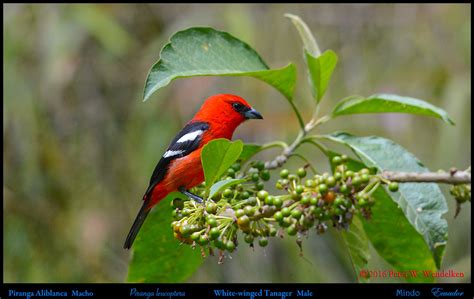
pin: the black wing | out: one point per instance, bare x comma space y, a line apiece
177, 150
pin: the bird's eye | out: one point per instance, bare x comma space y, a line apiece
237, 106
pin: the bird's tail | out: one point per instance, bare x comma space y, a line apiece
137, 224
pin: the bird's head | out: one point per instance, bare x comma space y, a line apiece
227, 108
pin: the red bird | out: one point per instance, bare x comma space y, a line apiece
180, 169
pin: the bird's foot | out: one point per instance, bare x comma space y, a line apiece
190, 195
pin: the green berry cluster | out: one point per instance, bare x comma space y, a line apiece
239, 207
307, 201
461, 193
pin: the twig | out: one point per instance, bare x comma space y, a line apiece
458, 177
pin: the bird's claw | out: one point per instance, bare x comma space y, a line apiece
191, 195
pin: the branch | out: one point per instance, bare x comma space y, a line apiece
453, 177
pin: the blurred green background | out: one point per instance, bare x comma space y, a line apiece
80, 145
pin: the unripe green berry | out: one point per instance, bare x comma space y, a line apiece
393, 186
263, 242
243, 221
269, 200
259, 165
364, 171
185, 230
203, 240
178, 203
356, 181
212, 221
278, 216
365, 178
337, 176
195, 236
349, 173
323, 188
287, 221
330, 181
292, 177
296, 214
248, 239
313, 201
344, 189
344, 158
310, 183
284, 173
305, 200
218, 244
249, 211
286, 211
244, 195
277, 202
273, 231
299, 189
251, 201
295, 195
265, 174
259, 186
214, 233
239, 213
336, 160
301, 172
262, 194
339, 201
279, 186
236, 166
228, 193
230, 246
291, 230
255, 177
362, 202
211, 207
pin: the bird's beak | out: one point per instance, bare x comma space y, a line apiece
252, 114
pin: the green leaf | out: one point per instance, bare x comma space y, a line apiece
392, 236
423, 204
249, 150
309, 41
388, 103
358, 245
201, 51
221, 185
217, 156
396, 240
320, 70
157, 256
320, 66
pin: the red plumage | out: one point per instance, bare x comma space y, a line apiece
180, 166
